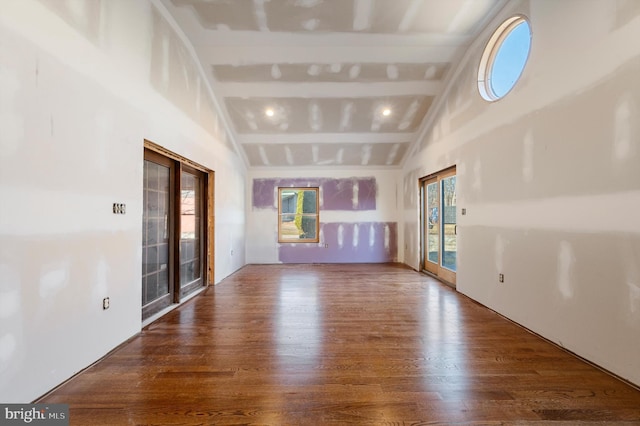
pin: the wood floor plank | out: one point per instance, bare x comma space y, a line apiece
341, 344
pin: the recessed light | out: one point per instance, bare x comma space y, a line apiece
386, 112
269, 112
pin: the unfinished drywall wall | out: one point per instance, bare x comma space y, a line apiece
550, 180
80, 93
358, 217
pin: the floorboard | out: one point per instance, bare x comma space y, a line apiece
341, 344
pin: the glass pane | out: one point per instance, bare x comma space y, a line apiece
433, 220
155, 248
308, 202
510, 60
190, 200
298, 201
449, 241
288, 201
297, 227
308, 224
290, 226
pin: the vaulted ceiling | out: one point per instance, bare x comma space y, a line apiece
329, 82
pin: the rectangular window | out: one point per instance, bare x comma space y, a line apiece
298, 215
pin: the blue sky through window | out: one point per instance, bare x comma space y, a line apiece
510, 59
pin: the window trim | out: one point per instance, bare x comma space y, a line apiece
315, 215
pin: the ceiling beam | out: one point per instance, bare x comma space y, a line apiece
203, 37
323, 138
327, 90
246, 55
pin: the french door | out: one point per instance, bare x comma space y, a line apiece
438, 224
174, 255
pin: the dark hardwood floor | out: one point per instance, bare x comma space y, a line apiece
341, 344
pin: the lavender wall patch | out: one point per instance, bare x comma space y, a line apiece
349, 194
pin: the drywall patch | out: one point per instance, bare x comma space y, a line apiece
500, 249
378, 243
101, 287
356, 235
527, 157
12, 124
53, 280
372, 236
387, 237
624, 134
634, 297
410, 189
9, 303
354, 199
8, 346
263, 155
477, 175
566, 262
336, 194
340, 236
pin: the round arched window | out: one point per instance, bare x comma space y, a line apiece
504, 58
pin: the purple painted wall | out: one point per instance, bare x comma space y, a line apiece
365, 242
347, 242
350, 194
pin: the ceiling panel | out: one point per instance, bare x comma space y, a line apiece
339, 72
302, 115
326, 154
327, 69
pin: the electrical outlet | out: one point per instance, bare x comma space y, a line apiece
105, 303
464, 212
501, 278
231, 252
326, 246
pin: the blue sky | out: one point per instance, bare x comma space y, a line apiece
510, 60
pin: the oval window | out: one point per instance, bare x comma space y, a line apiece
504, 58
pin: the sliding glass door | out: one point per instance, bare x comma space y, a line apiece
174, 253
439, 226
157, 278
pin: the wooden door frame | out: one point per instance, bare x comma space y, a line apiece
446, 275
207, 211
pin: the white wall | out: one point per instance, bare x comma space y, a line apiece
550, 179
262, 223
82, 84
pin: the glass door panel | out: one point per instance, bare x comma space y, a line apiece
449, 248
190, 231
431, 225
439, 225
156, 291
174, 254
